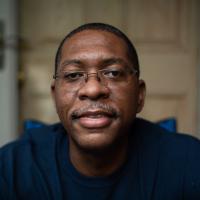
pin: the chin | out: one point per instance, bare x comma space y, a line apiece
97, 142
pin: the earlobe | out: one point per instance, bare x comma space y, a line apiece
141, 95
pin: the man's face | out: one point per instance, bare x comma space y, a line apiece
96, 115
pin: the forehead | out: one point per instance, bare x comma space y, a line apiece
98, 42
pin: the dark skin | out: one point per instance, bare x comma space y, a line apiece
98, 137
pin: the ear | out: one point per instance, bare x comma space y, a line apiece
53, 90
141, 95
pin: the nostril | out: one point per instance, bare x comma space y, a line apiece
93, 89
93, 97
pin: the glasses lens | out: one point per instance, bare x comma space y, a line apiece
74, 80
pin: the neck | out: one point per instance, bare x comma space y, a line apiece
101, 163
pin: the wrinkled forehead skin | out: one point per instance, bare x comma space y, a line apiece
108, 45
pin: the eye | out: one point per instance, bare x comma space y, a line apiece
113, 73
73, 76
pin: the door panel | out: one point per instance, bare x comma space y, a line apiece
164, 32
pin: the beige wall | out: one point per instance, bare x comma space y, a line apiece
165, 34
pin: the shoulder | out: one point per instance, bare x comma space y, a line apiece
153, 132
175, 148
176, 159
32, 137
22, 149
166, 147
24, 162
170, 146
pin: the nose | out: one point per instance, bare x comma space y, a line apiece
93, 89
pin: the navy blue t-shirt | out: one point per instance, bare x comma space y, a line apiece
159, 165
116, 186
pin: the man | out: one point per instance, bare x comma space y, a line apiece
100, 150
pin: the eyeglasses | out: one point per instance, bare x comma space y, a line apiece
112, 76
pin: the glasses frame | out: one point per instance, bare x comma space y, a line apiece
88, 74
99, 75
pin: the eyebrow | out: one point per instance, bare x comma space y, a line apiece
69, 62
110, 61
104, 62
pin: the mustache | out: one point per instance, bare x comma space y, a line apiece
96, 106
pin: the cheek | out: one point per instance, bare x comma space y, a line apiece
127, 101
64, 102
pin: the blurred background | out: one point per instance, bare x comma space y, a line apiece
165, 33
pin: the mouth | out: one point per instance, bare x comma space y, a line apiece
93, 119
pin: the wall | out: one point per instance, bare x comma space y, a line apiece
164, 32
8, 72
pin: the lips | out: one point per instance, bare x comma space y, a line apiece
95, 119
